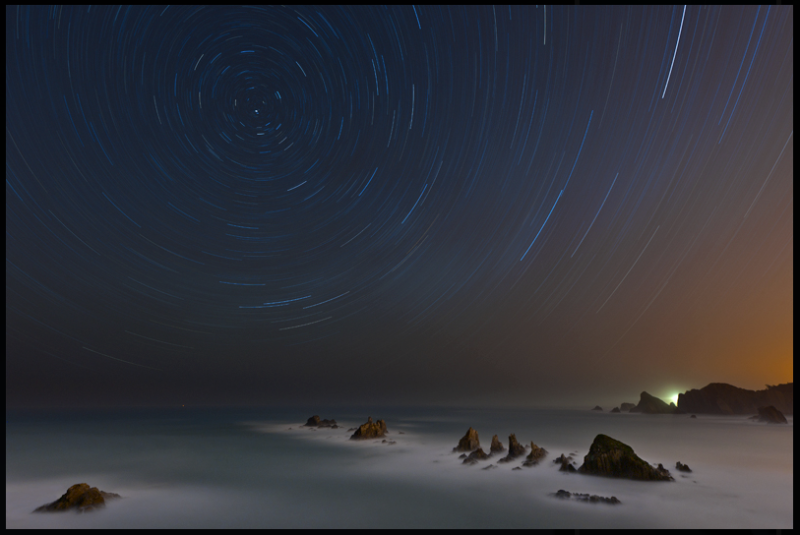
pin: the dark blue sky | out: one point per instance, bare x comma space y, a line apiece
416, 204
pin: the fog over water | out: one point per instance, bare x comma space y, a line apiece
245, 468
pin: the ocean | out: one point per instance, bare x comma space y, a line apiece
245, 468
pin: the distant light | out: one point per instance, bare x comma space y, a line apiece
674, 399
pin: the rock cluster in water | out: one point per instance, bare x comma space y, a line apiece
593, 498
80, 497
475, 456
370, 430
314, 421
610, 457
469, 441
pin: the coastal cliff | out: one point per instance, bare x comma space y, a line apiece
722, 398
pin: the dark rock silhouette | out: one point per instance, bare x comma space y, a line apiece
771, 415
566, 463
475, 456
615, 409
469, 441
598, 408
682, 467
626, 407
490, 467
515, 449
693, 416
370, 430
610, 457
80, 497
722, 398
537, 454
314, 421
497, 446
652, 405
593, 498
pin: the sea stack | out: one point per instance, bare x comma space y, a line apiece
537, 454
652, 405
469, 441
497, 446
370, 430
610, 457
515, 449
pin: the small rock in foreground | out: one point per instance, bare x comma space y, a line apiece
593, 498
81, 497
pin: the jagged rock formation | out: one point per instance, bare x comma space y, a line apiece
475, 456
652, 405
497, 446
515, 449
593, 498
598, 408
469, 441
566, 463
615, 409
626, 407
771, 415
722, 398
682, 467
536, 455
610, 457
80, 497
370, 430
314, 421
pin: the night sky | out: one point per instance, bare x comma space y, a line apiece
468, 205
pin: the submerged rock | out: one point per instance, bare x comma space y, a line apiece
610, 457
536, 455
593, 498
469, 441
370, 430
490, 467
497, 446
771, 415
682, 467
475, 456
80, 497
515, 449
598, 408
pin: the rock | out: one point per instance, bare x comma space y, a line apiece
598, 408
497, 446
536, 455
351, 429
594, 498
475, 456
626, 407
370, 430
567, 467
469, 441
652, 405
610, 457
615, 409
81, 497
682, 467
771, 415
693, 416
516, 468
313, 421
722, 398
490, 467
462, 456
566, 463
515, 449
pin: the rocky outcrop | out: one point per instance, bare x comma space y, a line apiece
475, 456
469, 441
722, 398
497, 446
537, 454
771, 415
682, 467
370, 430
314, 421
515, 449
612, 458
615, 409
80, 497
593, 498
598, 408
626, 407
652, 405
566, 463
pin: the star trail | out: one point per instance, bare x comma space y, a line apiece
412, 203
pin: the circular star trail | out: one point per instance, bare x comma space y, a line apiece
283, 196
